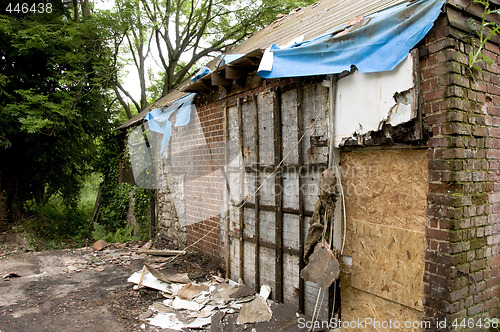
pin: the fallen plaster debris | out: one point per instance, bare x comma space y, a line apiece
196, 305
180, 304
323, 267
242, 292
190, 291
254, 312
149, 281
265, 291
168, 276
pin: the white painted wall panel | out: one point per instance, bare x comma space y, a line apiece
364, 100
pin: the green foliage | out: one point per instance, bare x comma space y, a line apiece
51, 224
486, 30
121, 235
143, 199
114, 212
187, 34
54, 85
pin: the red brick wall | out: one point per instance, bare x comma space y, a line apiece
462, 269
198, 152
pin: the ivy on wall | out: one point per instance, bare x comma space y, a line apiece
111, 221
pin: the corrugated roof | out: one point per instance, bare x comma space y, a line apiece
311, 21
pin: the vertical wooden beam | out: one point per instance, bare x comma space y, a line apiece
278, 196
257, 196
242, 192
301, 199
227, 221
334, 163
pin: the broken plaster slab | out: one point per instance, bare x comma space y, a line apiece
149, 281
365, 101
323, 267
170, 321
254, 312
181, 304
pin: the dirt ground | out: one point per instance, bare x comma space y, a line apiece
78, 289
86, 289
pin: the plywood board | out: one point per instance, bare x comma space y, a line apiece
358, 305
385, 202
388, 262
386, 187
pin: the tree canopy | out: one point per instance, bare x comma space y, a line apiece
184, 33
55, 74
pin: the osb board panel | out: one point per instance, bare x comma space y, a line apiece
388, 262
361, 306
385, 202
386, 187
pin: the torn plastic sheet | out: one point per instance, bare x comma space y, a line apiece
160, 122
189, 160
380, 45
200, 73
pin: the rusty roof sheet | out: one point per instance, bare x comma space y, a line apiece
311, 21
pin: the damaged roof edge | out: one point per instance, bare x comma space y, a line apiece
215, 77
166, 100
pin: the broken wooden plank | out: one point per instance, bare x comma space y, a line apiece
158, 252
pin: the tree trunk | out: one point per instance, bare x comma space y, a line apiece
75, 10
2, 207
85, 8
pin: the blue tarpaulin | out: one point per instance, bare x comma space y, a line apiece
159, 119
378, 42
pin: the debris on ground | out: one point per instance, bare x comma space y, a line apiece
100, 245
10, 275
88, 286
211, 305
156, 252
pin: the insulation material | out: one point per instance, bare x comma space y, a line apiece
267, 267
315, 117
249, 263
291, 279
247, 109
290, 192
289, 126
365, 101
386, 202
266, 128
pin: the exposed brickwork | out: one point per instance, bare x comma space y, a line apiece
198, 152
462, 269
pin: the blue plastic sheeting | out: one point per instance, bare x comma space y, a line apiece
380, 45
200, 73
228, 58
159, 120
